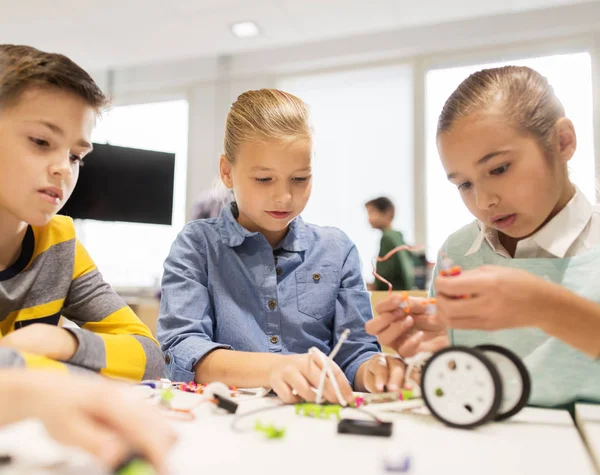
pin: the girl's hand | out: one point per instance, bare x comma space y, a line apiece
382, 373
298, 378
495, 298
407, 333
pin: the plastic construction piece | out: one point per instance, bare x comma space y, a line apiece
447, 266
405, 302
135, 466
449, 269
461, 387
322, 411
166, 397
406, 394
452, 271
359, 401
431, 306
193, 387
466, 387
225, 403
270, 431
393, 396
397, 465
213, 389
516, 382
190, 387
362, 427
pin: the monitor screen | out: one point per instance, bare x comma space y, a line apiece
124, 184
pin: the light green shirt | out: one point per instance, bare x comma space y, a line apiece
560, 373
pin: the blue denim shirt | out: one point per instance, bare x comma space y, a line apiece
226, 287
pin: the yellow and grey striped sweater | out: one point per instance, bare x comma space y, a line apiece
54, 276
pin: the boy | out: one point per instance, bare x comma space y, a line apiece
48, 108
398, 269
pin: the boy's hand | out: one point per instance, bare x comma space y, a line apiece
295, 380
408, 334
94, 414
381, 373
41, 339
499, 297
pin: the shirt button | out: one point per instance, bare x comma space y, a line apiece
279, 271
168, 359
272, 304
316, 277
274, 339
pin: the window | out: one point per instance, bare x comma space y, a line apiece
571, 77
132, 254
363, 149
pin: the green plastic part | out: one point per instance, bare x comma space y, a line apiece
270, 431
322, 411
136, 467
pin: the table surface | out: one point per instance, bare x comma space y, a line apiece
588, 421
535, 441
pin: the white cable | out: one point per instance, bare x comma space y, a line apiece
336, 349
326, 371
314, 351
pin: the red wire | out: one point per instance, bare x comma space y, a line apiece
387, 256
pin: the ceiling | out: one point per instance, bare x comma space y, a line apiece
112, 33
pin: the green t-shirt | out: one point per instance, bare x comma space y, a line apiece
398, 269
560, 374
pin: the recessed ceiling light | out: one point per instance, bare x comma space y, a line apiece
245, 29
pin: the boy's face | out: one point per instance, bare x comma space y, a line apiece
378, 219
272, 183
43, 137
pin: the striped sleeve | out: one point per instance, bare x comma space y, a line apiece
12, 358
112, 339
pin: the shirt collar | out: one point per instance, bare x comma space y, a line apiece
295, 239
556, 237
234, 234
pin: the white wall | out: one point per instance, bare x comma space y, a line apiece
363, 149
211, 84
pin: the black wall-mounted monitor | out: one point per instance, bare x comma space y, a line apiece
124, 184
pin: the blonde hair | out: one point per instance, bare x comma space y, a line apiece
265, 115
525, 96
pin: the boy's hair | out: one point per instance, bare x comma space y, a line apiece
525, 96
23, 67
265, 115
383, 205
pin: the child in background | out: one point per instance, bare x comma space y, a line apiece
48, 108
398, 270
260, 281
531, 260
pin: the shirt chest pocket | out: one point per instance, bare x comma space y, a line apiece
317, 292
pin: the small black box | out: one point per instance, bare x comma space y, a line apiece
226, 404
361, 427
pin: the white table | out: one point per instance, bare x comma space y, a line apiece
588, 422
535, 441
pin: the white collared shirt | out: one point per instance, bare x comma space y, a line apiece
573, 231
